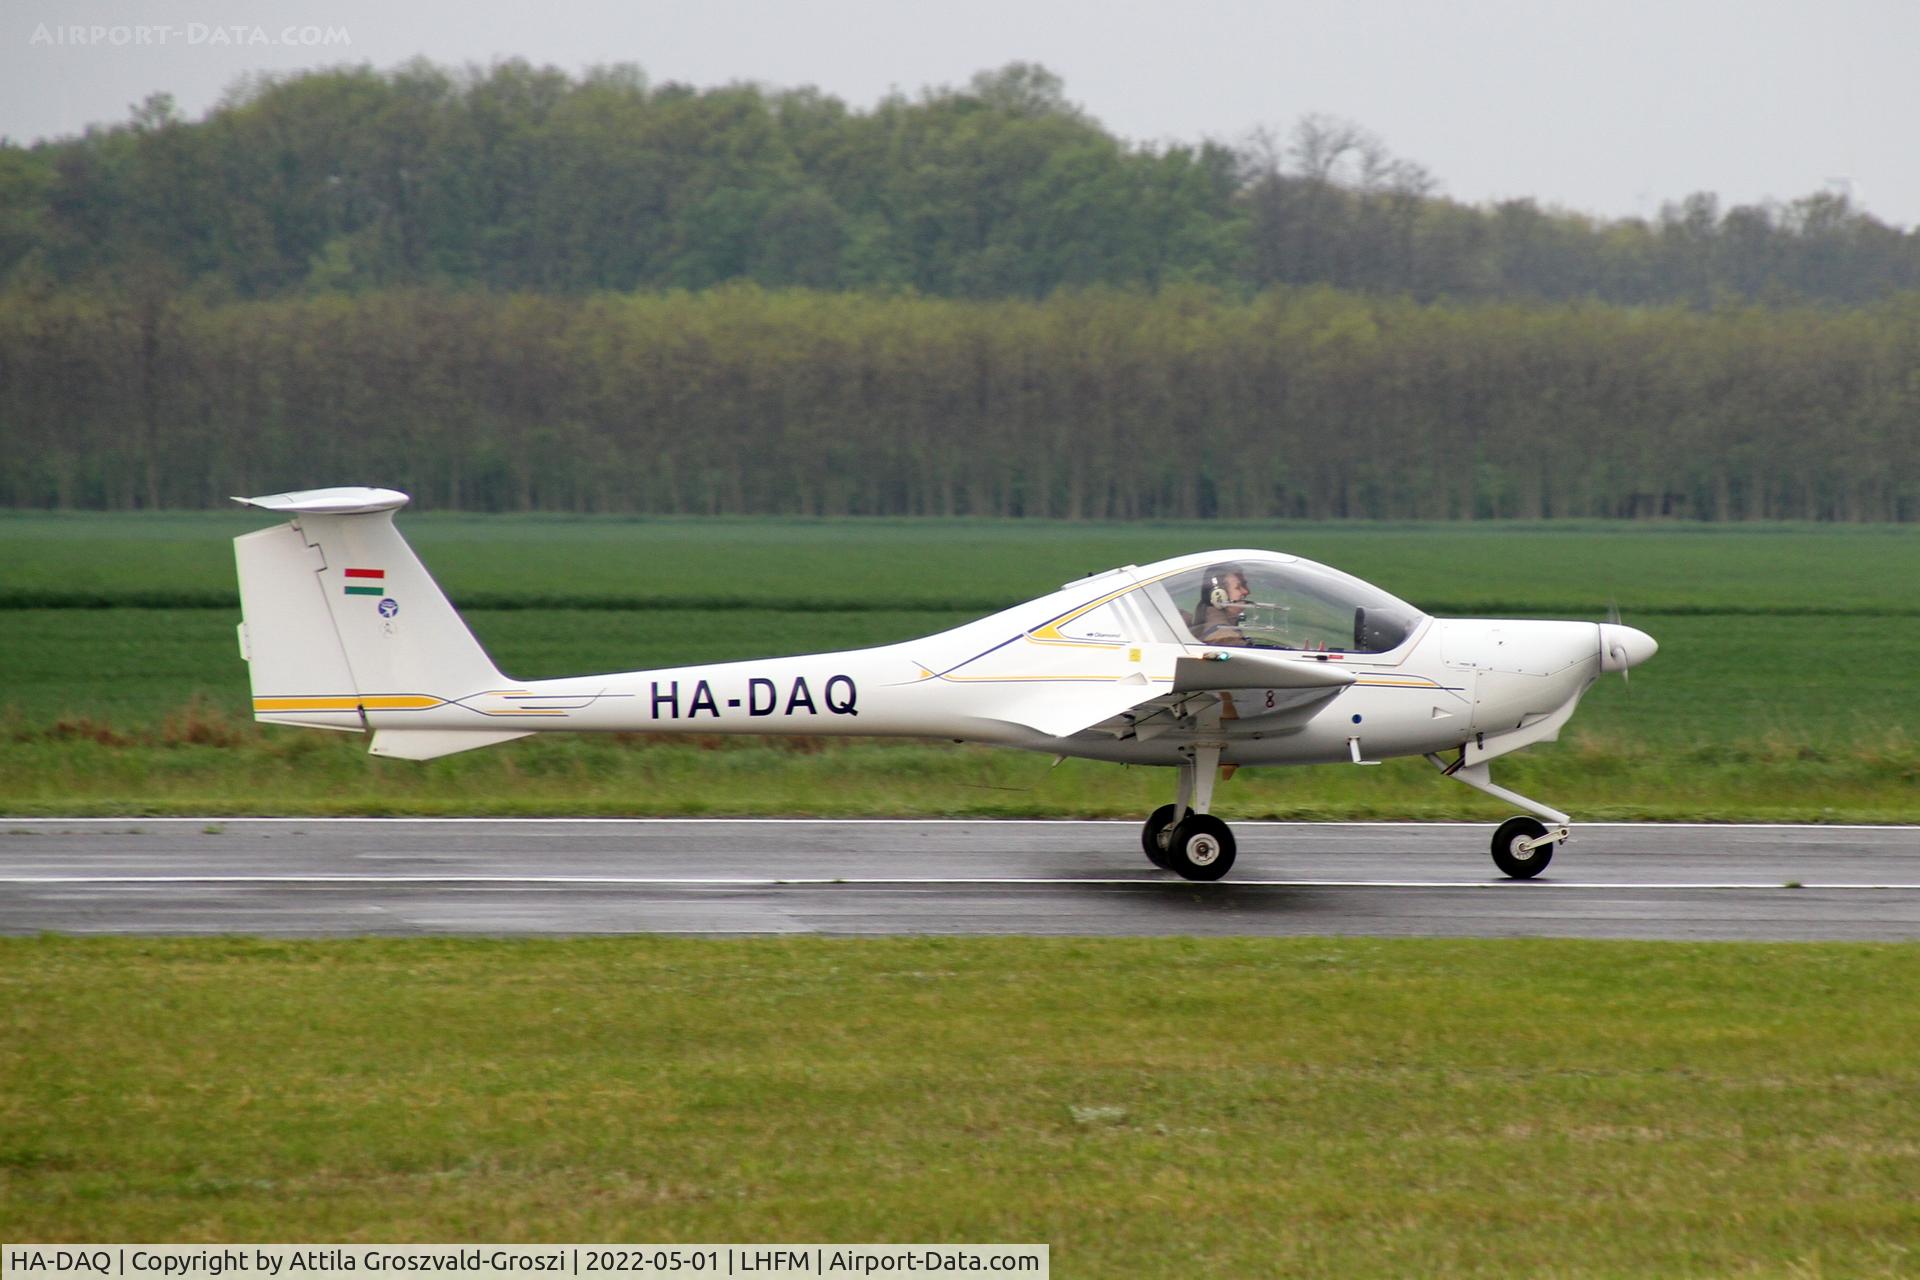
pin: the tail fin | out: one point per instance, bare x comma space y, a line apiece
340, 618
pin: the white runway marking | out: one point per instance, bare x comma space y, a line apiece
953, 822
484, 876
768, 882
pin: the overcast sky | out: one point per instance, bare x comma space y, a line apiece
1609, 107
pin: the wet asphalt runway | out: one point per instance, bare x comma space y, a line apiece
318, 877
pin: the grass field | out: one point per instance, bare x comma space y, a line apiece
1148, 1107
1705, 732
1169, 1107
1787, 686
1566, 568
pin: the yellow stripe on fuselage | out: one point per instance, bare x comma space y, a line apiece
351, 702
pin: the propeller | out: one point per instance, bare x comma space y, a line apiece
1614, 649
1622, 647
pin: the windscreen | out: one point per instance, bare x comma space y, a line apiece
1265, 604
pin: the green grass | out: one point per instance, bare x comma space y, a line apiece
331, 774
515, 561
1148, 1107
1734, 718
1787, 686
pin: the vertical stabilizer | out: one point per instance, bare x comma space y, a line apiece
340, 618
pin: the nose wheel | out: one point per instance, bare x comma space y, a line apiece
1522, 847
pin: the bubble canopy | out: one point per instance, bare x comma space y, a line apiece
1278, 602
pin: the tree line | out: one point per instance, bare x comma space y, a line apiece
1185, 402
514, 178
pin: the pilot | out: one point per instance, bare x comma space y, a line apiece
1223, 594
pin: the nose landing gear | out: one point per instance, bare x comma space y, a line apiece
1522, 847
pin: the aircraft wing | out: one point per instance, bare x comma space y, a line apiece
1228, 669
1060, 715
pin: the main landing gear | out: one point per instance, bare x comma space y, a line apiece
1183, 837
1522, 847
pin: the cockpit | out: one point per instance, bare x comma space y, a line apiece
1287, 604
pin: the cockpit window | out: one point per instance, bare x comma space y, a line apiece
1265, 604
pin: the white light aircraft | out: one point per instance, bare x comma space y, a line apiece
1203, 662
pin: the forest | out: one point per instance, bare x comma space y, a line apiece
1100, 404
514, 289
518, 178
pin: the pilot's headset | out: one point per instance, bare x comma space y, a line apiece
1214, 591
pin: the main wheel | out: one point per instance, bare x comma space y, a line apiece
1521, 864
1153, 836
1201, 848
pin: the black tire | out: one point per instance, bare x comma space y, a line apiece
1514, 862
1201, 848
1154, 834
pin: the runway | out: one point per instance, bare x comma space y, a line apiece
347, 877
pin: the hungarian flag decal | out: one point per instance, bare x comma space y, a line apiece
366, 582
